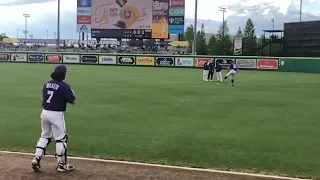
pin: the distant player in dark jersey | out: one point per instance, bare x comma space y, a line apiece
211, 71
232, 71
56, 94
205, 71
218, 72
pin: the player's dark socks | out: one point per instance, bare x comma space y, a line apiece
232, 81
225, 77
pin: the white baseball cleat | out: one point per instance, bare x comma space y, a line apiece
35, 164
65, 168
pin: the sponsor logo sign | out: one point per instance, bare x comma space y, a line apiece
165, 61
126, 60
83, 28
83, 19
176, 3
19, 57
224, 61
246, 63
83, 3
176, 11
147, 61
4, 57
107, 60
199, 62
176, 29
174, 20
53, 58
89, 59
267, 64
84, 11
36, 57
184, 61
68, 58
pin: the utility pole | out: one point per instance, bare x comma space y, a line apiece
58, 26
194, 47
300, 9
26, 16
223, 9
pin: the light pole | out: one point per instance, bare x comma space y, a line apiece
300, 9
26, 16
194, 47
272, 20
223, 9
17, 33
55, 35
58, 26
47, 34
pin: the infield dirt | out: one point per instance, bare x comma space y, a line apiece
15, 167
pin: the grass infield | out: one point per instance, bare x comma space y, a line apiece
269, 122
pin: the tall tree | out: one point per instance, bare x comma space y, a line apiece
213, 48
239, 33
223, 39
201, 42
249, 39
188, 35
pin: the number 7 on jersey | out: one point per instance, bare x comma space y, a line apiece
50, 94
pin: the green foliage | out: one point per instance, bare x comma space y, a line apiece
201, 42
224, 41
213, 46
249, 39
3, 35
239, 33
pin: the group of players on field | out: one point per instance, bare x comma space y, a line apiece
209, 67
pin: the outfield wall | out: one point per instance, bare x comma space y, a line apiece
310, 65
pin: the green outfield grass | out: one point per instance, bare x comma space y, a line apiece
269, 122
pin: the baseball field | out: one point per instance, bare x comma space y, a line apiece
268, 123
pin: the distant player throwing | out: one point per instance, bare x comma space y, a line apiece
232, 71
56, 94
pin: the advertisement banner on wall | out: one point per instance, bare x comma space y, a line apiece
19, 57
199, 62
4, 57
267, 63
184, 61
165, 61
224, 61
237, 46
145, 61
68, 58
246, 63
89, 59
126, 60
107, 60
35, 57
53, 58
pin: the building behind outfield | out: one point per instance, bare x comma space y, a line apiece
302, 39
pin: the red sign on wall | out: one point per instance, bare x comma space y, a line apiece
176, 3
199, 62
267, 64
53, 58
83, 19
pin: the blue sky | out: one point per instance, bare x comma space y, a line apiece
44, 13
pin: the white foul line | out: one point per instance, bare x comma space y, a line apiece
163, 166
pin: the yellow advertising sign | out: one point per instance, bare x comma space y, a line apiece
179, 43
160, 28
145, 61
10, 40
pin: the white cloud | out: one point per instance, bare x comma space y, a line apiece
43, 15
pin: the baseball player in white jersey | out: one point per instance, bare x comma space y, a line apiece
56, 94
